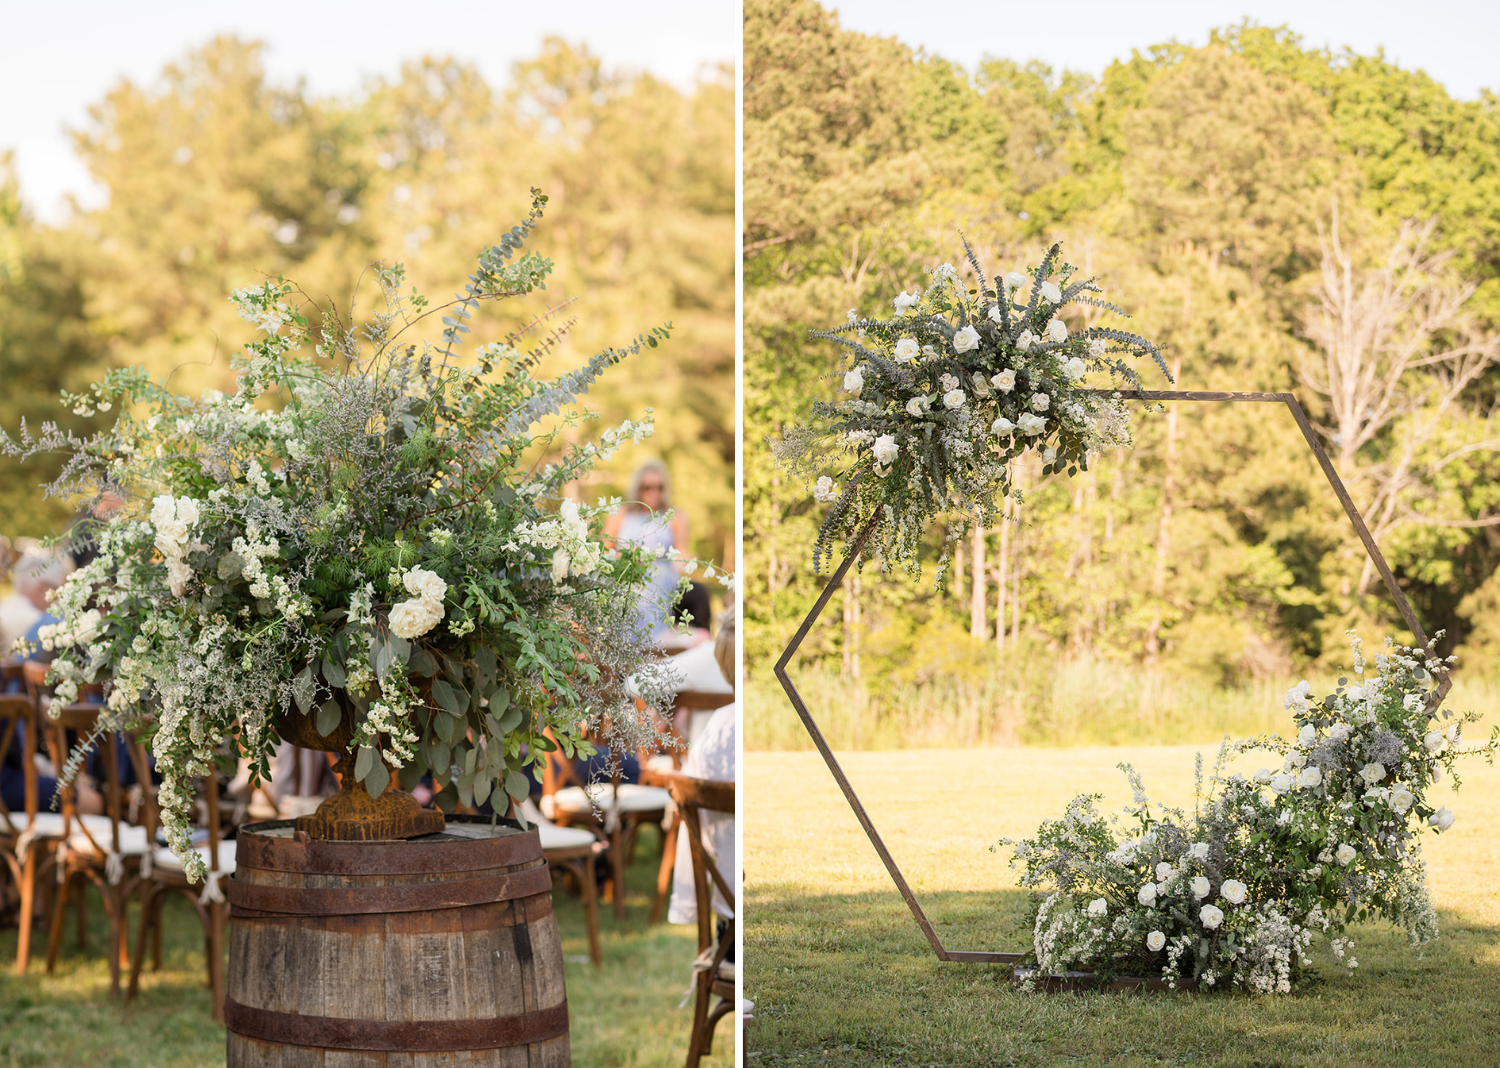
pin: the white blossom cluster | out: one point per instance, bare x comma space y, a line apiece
1236, 893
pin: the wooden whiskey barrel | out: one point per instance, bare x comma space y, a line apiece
440, 950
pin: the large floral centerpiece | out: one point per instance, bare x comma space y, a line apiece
1235, 894
365, 544
941, 397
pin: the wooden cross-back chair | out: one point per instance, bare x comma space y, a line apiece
106, 851
18, 841
712, 975
165, 876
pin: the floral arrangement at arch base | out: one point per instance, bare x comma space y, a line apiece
357, 551
1235, 894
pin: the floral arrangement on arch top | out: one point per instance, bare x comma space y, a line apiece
358, 538
944, 395
1235, 894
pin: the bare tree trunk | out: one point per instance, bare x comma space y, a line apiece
977, 595
1163, 531
957, 584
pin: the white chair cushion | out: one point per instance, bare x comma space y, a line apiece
632, 798
50, 824
164, 858
554, 837
132, 839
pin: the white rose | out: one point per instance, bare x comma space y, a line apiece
1198, 850
1307, 736
1057, 331
1372, 773
1164, 871
1025, 341
1040, 402
1075, 369
904, 301
1442, 819
1345, 854
1402, 798
906, 350
854, 381
1339, 732
1146, 895
414, 618
917, 407
561, 561
995, 315
1263, 776
966, 340
954, 398
1452, 734
1030, 424
1233, 891
1098, 907
1155, 941
1015, 280
420, 582
824, 491
1005, 381
1211, 915
886, 449
1200, 887
86, 626
1282, 783
1310, 777
1296, 697
1050, 293
1002, 426
187, 510
1048, 455
1435, 742
163, 508
1096, 347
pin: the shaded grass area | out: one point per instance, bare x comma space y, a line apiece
623, 1015
1081, 701
841, 974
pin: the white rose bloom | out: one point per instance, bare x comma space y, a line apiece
86, 626
1200, 887
886, 449
1050, 293
1372, 773
966, 340
1030, 424
1040, 402
1282, 783
1096, 347
1002, 426
1310, 777
1212, 916
825, 491
1402, 798
1356, 692
904, 301
906, 350
1146, 895
420, 582
1452, 734
917, 407
1345, 854
948, 382
1296, 697
1075, 369
854, 381
954, 398
1164, 871
1339, 732
1015, 280
1098, 907
1057, 331
163, 508
414, 618
1198, 850
1155, 941
995, 315
1233, 891
187, 510
178, 575
1048, 455
1005, 381
1263, 776
1442, 819
1025, 341
1307, 736
1295, 760
1435, 742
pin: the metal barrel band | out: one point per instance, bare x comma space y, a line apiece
403, 897
415, 1036
511, 912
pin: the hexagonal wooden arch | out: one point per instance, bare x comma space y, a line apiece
837, 579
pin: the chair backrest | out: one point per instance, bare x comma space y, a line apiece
693, 797
82, 719
18, 722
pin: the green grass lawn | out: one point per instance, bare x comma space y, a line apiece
841, 975
622, 1014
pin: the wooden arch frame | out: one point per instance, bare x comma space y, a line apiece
837, 578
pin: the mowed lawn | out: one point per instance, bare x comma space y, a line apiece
841, 974
622, 1015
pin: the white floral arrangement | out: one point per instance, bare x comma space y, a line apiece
941, 398
1236, 894
363, 531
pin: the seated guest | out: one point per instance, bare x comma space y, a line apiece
31, 579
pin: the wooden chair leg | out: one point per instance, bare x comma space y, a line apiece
28, 901
664, 874
719, 1012
617, 868
114, 905
55, 928
156, 934
696, 1047
80, 909
149, 897
590, 893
